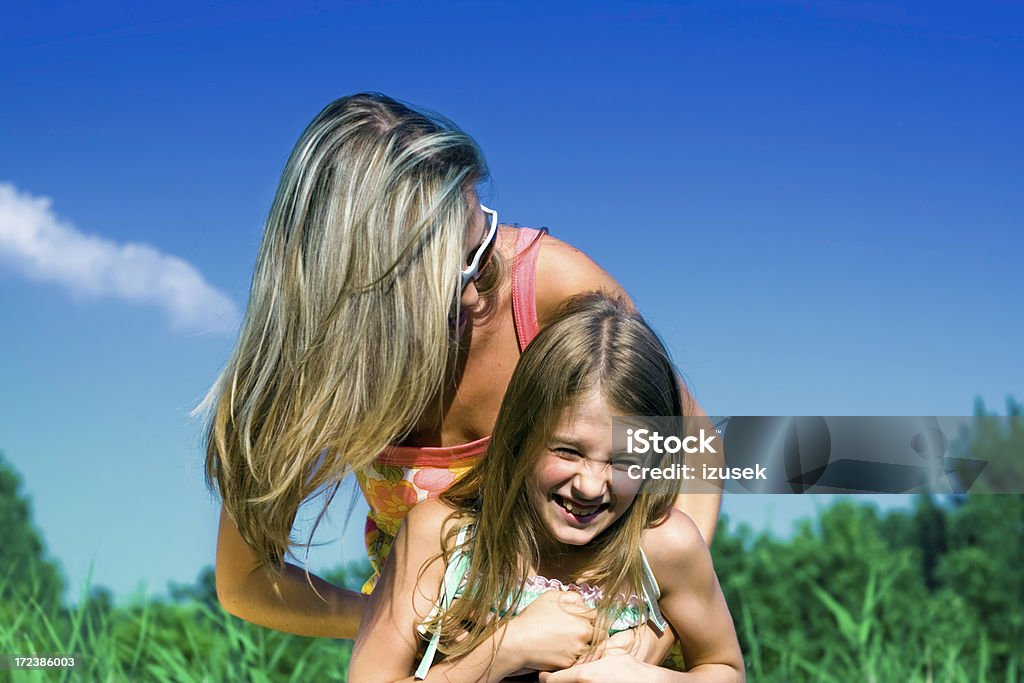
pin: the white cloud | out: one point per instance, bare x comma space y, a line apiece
43, 247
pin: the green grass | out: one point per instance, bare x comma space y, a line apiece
862, 654
853, 596
153, 640
160, 641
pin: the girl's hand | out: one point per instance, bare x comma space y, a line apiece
616, 666
551, 633
644, 643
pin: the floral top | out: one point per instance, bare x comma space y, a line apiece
637, 611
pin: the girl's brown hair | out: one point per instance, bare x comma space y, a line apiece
596, 343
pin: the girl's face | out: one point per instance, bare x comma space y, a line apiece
580, 484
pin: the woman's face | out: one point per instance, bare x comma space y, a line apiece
580, 484
475, 232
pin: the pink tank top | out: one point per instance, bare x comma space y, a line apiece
402, 476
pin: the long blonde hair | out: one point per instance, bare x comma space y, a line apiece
346, 336
595, 343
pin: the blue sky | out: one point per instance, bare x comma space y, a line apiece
817, 204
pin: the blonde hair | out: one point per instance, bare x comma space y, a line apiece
346, 337
595, 343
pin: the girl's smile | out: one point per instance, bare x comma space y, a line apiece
579, 488
576, 511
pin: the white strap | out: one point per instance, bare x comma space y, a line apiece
652, 593
449, 587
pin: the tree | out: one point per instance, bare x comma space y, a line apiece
204, 590
25, 570
998, 443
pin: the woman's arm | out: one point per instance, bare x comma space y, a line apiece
564, 271
286, 602
701, 500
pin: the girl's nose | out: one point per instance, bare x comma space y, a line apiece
590, 483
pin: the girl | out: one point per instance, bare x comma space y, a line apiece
552, 522
387, 311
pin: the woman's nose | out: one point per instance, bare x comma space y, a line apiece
470, 296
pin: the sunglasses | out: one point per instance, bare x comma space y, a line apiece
482, 256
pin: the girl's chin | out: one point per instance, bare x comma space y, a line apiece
573, 538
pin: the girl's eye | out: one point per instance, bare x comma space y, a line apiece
624, 464
567, 453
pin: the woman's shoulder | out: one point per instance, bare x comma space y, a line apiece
564, 271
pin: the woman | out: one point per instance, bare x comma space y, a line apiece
386, 315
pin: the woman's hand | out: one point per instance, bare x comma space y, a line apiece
614, 667
551, 633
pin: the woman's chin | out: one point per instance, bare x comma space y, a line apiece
458, 325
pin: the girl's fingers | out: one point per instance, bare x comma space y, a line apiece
602, 651
573, 603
